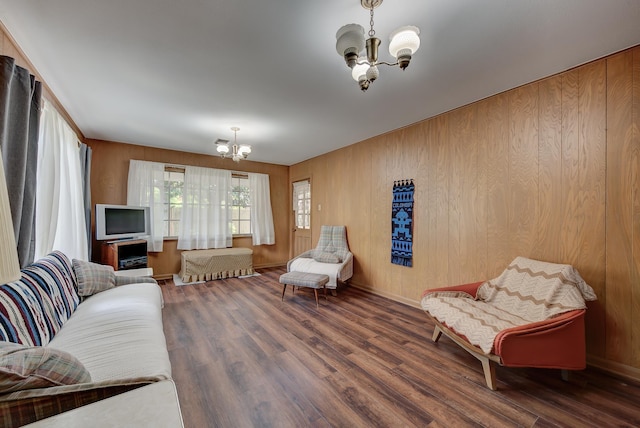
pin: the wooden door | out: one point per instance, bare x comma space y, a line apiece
302, 217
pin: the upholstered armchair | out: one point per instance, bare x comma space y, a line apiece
330, 257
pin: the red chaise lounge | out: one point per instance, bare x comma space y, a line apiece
532, 315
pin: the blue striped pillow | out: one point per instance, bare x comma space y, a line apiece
52, 278
22, 318
33, 309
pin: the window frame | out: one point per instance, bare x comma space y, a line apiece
240, 176
171, 169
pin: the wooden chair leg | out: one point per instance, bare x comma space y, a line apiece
325, 294
284, 288
489, 373
436, 334
315, 291
564, 373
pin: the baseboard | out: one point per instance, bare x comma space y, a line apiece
390, 296
270, 265
614, 368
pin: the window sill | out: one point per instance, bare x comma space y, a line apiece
243, 235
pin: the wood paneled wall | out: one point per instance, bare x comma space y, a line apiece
549, 170
109, 174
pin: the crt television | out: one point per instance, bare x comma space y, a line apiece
115, 222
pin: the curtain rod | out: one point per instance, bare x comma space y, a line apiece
173, 165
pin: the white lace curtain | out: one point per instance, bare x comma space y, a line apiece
205, 221
60, 213
261, 215
145, 188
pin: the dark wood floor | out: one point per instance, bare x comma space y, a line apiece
243, 358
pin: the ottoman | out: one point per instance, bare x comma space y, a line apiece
304, 279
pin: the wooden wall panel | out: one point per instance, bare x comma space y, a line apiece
591, 238
523, 169
442, 165
494, 115
619, 248
635, 183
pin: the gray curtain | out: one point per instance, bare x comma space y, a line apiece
20, 96
85, 164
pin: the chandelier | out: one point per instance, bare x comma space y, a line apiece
237, 151
404, 42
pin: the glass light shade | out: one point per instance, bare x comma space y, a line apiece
405, 38
223, 149
350, 38
359, 72
244, 150
9, 264
373, 73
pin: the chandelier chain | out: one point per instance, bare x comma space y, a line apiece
372, 32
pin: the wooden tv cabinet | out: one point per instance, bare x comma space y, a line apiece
125, 254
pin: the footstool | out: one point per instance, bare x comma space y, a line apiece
304, 279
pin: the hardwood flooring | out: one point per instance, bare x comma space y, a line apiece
243, 358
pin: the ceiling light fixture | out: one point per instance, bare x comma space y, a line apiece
237, 151
350, 42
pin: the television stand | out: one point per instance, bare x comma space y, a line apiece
126, 254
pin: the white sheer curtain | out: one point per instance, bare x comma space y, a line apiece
60, 215
261, 215
206, 220
145, 188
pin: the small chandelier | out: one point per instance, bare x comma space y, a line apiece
404, 42
237, 151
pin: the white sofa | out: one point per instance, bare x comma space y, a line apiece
76, 352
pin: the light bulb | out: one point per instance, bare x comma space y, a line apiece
359, 71
404, 40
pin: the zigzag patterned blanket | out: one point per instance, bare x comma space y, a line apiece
527, 291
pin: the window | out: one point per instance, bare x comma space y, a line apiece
173, 187
302, 204
240, 205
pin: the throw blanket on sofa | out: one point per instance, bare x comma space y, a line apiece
527, 291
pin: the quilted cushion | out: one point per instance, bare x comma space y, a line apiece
325, 257
38, 367
93, 278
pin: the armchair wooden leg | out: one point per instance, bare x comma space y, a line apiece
284, 288
489, 373
564, 373
436, 334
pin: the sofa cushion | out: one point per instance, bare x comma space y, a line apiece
52, 277
24, 367
324, 257
93, 278
22, 318
34, 308
117, 334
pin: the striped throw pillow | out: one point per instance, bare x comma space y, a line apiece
22, 318
53, 280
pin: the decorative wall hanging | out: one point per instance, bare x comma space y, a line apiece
402, 223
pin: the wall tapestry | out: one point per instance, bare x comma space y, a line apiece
402, 223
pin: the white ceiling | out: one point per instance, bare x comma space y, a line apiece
180, 74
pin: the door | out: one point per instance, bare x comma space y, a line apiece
302, 216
